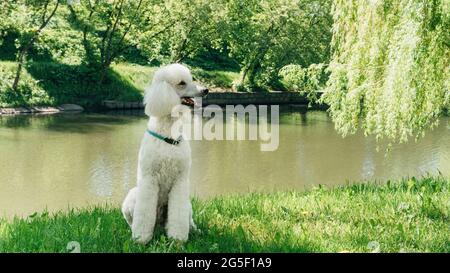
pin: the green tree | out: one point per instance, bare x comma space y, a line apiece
309, 81
108, 28
266, 35
6, 21
38, 14
390, 66
181, 29
195, 28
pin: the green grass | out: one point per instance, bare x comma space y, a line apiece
140, 75
29, 93
50, 83
216, 79
410, 215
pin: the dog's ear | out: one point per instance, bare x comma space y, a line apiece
159, 99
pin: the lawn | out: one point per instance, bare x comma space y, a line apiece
49, 83
411, 215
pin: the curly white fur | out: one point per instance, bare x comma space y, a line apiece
163, 169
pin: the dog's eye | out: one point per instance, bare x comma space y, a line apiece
182, 83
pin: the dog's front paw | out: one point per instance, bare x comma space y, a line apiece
141, 237
178, 235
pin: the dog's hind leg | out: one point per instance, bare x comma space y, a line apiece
128, 206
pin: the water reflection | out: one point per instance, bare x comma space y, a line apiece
57, 161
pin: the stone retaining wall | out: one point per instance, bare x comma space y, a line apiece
255, 98
274, 97
41, 109
225, 98
112, 104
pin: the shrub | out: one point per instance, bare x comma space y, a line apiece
28, 92
308, 81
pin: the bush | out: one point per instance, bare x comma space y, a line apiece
29, 92
240, 87
308, 81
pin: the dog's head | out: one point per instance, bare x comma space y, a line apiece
172, 85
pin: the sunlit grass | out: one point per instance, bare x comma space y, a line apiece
49, 83
138, 75
407, 216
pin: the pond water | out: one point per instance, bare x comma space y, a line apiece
75, 160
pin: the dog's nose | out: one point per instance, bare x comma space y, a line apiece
204, 92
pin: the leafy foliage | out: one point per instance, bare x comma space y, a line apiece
29, 92
264, 36
108, 28
181, 29
310, 81
390, 66
389, 69
256, 37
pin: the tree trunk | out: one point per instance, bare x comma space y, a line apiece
260, 53
18, 72
244, 74
249, 68
103, 70
251, 72
24, 51
21, 59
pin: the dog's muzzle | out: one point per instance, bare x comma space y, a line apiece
189, 101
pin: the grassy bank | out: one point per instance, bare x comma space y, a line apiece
49, 83
410, 215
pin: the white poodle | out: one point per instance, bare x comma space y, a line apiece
162, 192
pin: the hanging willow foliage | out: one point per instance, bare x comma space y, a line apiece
390, 66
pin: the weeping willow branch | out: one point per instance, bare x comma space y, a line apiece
390, 67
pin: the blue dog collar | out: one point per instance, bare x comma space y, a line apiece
165, 139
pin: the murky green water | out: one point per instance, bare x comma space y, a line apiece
61, 161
